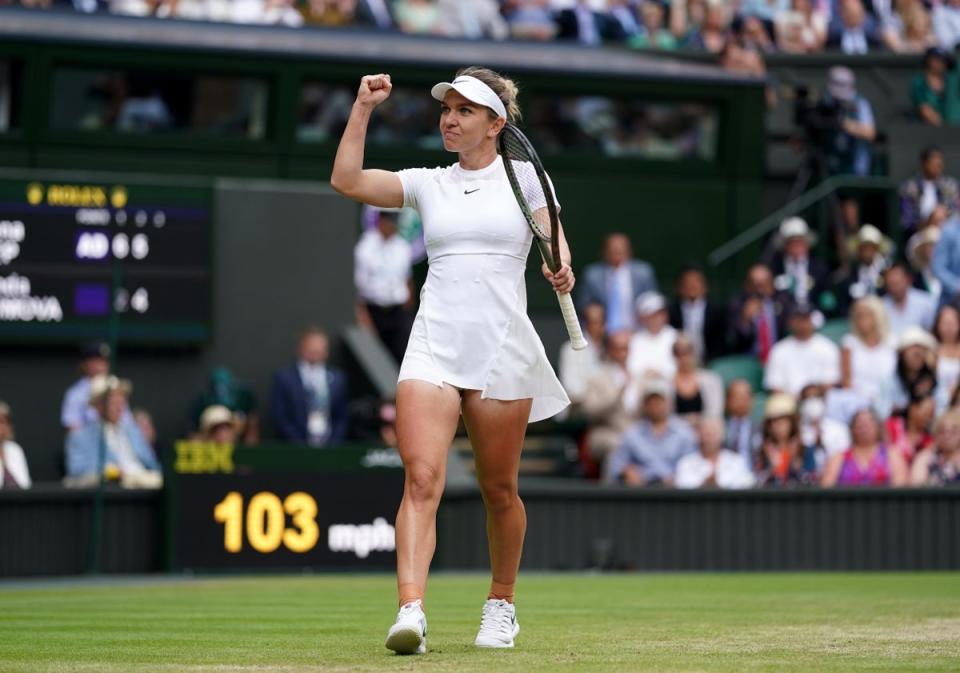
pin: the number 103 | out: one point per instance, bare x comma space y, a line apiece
266, 522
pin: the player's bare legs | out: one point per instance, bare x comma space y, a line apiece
497, 429
427, 418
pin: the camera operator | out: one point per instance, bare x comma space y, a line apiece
839, 132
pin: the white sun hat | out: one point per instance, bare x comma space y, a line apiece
473, 90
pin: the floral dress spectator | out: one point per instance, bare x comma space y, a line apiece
930, 197
782, 459
939, 464
934, 92
868, 461
868, 355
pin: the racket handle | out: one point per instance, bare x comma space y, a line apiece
571, 321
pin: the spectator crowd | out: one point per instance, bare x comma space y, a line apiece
756, 26
745, 390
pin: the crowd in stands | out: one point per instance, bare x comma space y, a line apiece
105, 435
761, 26
874, 401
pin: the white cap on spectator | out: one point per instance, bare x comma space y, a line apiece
916, 336
650, 302
870, 234
842, 83
795, 227
106, 383
780, 405
215, 415
655, 386
928, 236
473, 90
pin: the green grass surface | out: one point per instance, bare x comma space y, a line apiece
738, 623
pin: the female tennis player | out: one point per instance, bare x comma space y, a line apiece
472, 349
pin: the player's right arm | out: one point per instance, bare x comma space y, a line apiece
375, 187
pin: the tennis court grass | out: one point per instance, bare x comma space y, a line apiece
662, 622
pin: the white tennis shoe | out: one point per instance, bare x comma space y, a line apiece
498, 624
409, 634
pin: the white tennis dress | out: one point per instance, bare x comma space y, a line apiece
472, 329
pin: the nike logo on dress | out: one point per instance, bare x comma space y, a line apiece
471, 191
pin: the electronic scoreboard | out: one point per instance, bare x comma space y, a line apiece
81, 257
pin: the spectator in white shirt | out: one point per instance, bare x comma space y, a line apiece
577, 367
651, 349
906, 305
868, 354
382, 261
946, 24
14, 474
802, 358
711, 464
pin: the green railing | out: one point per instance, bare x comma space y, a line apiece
820, 195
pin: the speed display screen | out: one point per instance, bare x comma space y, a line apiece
79, 258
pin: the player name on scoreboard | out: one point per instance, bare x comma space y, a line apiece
75, 257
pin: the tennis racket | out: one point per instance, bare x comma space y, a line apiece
534, 195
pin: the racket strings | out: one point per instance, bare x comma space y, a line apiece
514, 151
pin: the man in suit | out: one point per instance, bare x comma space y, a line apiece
693, 313
742, 433
757, 316
796, 271
616, 283
586, 26
375, 14
309, 398
855, 32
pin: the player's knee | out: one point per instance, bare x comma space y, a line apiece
423, 484
499, 494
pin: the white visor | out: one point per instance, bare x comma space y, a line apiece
473, 90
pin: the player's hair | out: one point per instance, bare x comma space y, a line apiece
504, 87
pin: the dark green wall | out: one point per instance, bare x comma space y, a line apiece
283, 258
